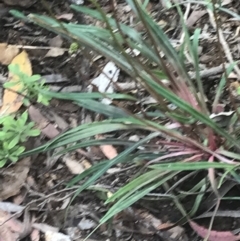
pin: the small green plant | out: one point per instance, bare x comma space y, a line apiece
73, 48
31, 85
14, 132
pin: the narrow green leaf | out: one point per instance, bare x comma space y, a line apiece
114, 161
191, 166
124, 203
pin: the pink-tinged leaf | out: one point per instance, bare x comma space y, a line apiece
183, 91
194, 158
174, 154
179, 145
211, 139
213, 235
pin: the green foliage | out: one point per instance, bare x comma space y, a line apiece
73, 48
14, 132
31, 85
191, 131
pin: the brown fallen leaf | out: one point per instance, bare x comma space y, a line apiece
194, 17
13, 178
10, 228
58, 120
234, 86
150, 222
56, 41
18, 199
74, 166
7, 53
42, 123
55, 52
66, 16
108, 150
35, 235
12, 101
56, 49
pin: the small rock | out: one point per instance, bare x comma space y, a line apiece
86, 224
78, 2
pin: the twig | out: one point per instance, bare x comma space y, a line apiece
223, 42
226, 213
38, 47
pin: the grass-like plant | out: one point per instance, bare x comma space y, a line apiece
192, 139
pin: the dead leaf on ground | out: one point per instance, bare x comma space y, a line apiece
58, 120
10, 228
86, 164
43, 124
7, 53
18, 199
13, 178
35, 235
56, 42
195, 16
66, 16
234, 86
65, 204
108, 150
149, 221
74, 166
55, 52
31, 182
11, 100
232, 75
